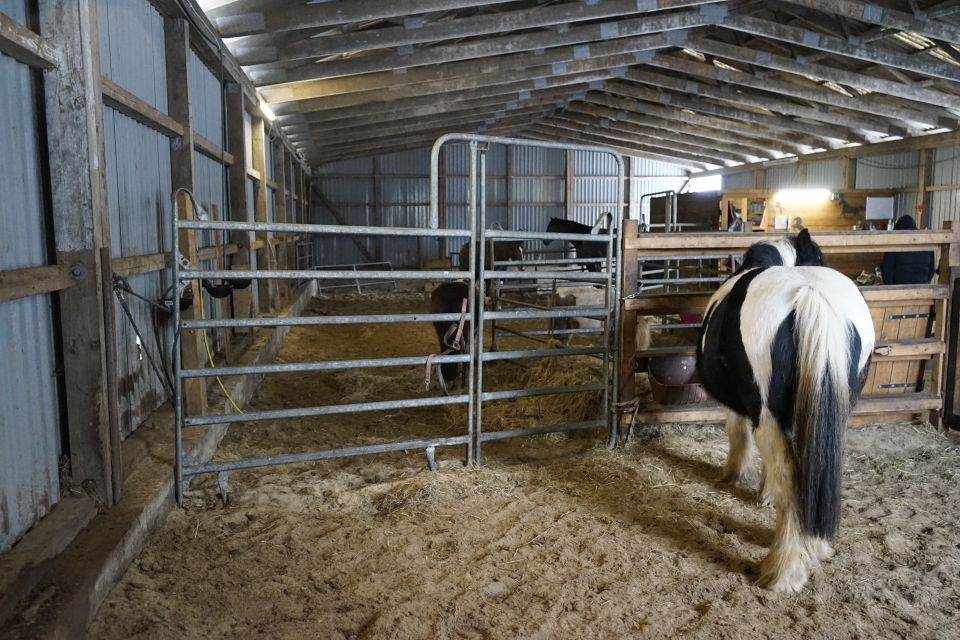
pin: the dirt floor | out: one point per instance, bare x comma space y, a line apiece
554, 537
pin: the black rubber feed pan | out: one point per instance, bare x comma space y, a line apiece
674, 380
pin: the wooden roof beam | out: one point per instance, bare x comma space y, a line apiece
497, 23
813, 135
932, 100
592, 126
838, 46
750, 133
594, 34
809, 94
846, 127
884, 17
257, 16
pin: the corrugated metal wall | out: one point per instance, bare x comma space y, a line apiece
782, 176
30, 420
825, 174
534, 191
743, 180
138, 196
651, 176
889, 171
945, 203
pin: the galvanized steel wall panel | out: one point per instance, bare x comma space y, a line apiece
645, 167
17, 10
825, 174
138, 198
30, 420
905, 203
416, 161
536, 161
132, 49
785, 176
742, 180
944, 205
358, 166
593, 163
889, 171
206, 101
946, 165
248, 138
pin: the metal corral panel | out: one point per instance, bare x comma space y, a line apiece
138, 197
15, 9
640, 209
783, 177
206, 101
593, 163
890, 171
536, 161
825, 174
644, 167
944, 205
132, 49
946, 165
416, 162
30, 420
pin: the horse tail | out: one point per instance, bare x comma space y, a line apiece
822, 403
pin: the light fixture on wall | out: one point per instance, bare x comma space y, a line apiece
267, 111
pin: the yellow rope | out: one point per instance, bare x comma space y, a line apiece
206, 344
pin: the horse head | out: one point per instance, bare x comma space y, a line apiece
808, 252
795, 251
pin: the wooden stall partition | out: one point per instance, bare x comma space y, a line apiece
907, 376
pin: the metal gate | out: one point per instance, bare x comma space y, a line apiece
478, 276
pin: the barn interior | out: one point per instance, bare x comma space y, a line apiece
227, 229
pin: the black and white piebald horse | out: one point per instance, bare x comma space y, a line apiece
785, 346
583, 249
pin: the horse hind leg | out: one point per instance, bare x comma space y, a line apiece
787, 565
739, 470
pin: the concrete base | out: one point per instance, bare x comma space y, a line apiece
51, 586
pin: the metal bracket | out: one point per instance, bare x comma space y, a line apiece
909, 316
222, 478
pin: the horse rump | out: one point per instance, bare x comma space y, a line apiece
449, 298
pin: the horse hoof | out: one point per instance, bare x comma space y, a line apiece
738, 479
764, 499
783, 575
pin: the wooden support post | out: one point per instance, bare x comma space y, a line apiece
237, 179
508, 179
570, 210
74, 121
265, 259
192, 350
849, 173
223, 302
177, 51
924, 165
628, 319
280, 214
628, 194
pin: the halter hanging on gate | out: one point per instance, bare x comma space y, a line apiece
452, 347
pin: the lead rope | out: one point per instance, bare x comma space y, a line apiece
451, 347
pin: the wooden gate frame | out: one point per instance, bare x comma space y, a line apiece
936, 402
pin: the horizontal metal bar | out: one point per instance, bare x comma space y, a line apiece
505, 234
227, 323
531, 393
307, 412
493, 356
489, 436
331, 365
556, 332
524, 263
679, 325
679, 280
292, 274
542, 275
324, 229
313, 456
691, 258
534, 314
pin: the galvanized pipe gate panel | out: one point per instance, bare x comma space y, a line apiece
477, 277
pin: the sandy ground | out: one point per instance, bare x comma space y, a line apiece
554, 537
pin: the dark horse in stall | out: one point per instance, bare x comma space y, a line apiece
450, 297
583, 249
785, 346
502, 251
